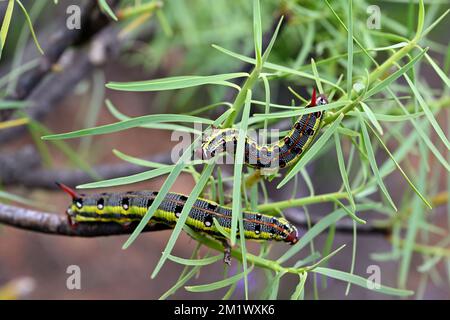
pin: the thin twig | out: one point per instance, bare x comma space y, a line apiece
92, 21
51, 223
23, 168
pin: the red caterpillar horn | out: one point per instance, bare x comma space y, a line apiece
313, 98
68, 190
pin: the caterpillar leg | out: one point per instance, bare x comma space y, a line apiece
226, 252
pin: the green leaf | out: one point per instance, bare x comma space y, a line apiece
428, 112
257, 31
276, 67
105, 7
15, 198
373, 162
300, 289
5, 25
180, 165
438, 70
313, 150
300, 111
238, 164
272, 41
316, 76
350, 49
360, 281
394, 76
420, 20
371, 116
195, 193
217, 285
134, 178
171, 83
30, 25
352, 266
163, 126
425, 201
221, 229
180, 282
11, 104
343, 171
320, 226
127, 124
195, 262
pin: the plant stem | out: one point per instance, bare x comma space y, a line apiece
327, 197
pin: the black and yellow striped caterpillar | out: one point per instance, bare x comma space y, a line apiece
280, 154
124, 208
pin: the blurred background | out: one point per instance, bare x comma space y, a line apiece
64, 90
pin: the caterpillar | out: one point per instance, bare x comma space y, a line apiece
124, 208
280, 154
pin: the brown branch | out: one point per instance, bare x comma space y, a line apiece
23, 168
51, 223
92, 21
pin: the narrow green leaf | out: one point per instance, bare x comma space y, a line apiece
371, 116
30, 25
128, 124
237, 176
5, 24
373, 162
221, 229
272, 41
180, 282
277, 67
360, 281
105, 7
195, 262
300, 289
438, 70
350, 49
164, 126
15, 198
425, 201
257, 31
180, 165
195, 193
352, 266
10, 104
134, 178
171, 83
343, 171
428, 112
420, 20
217, 285
316, 76
394, 76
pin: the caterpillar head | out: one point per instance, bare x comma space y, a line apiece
318, 100
292, 235
289, 232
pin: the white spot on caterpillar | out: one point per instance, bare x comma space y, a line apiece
79, 205
125, 206
100, 206
208, 223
